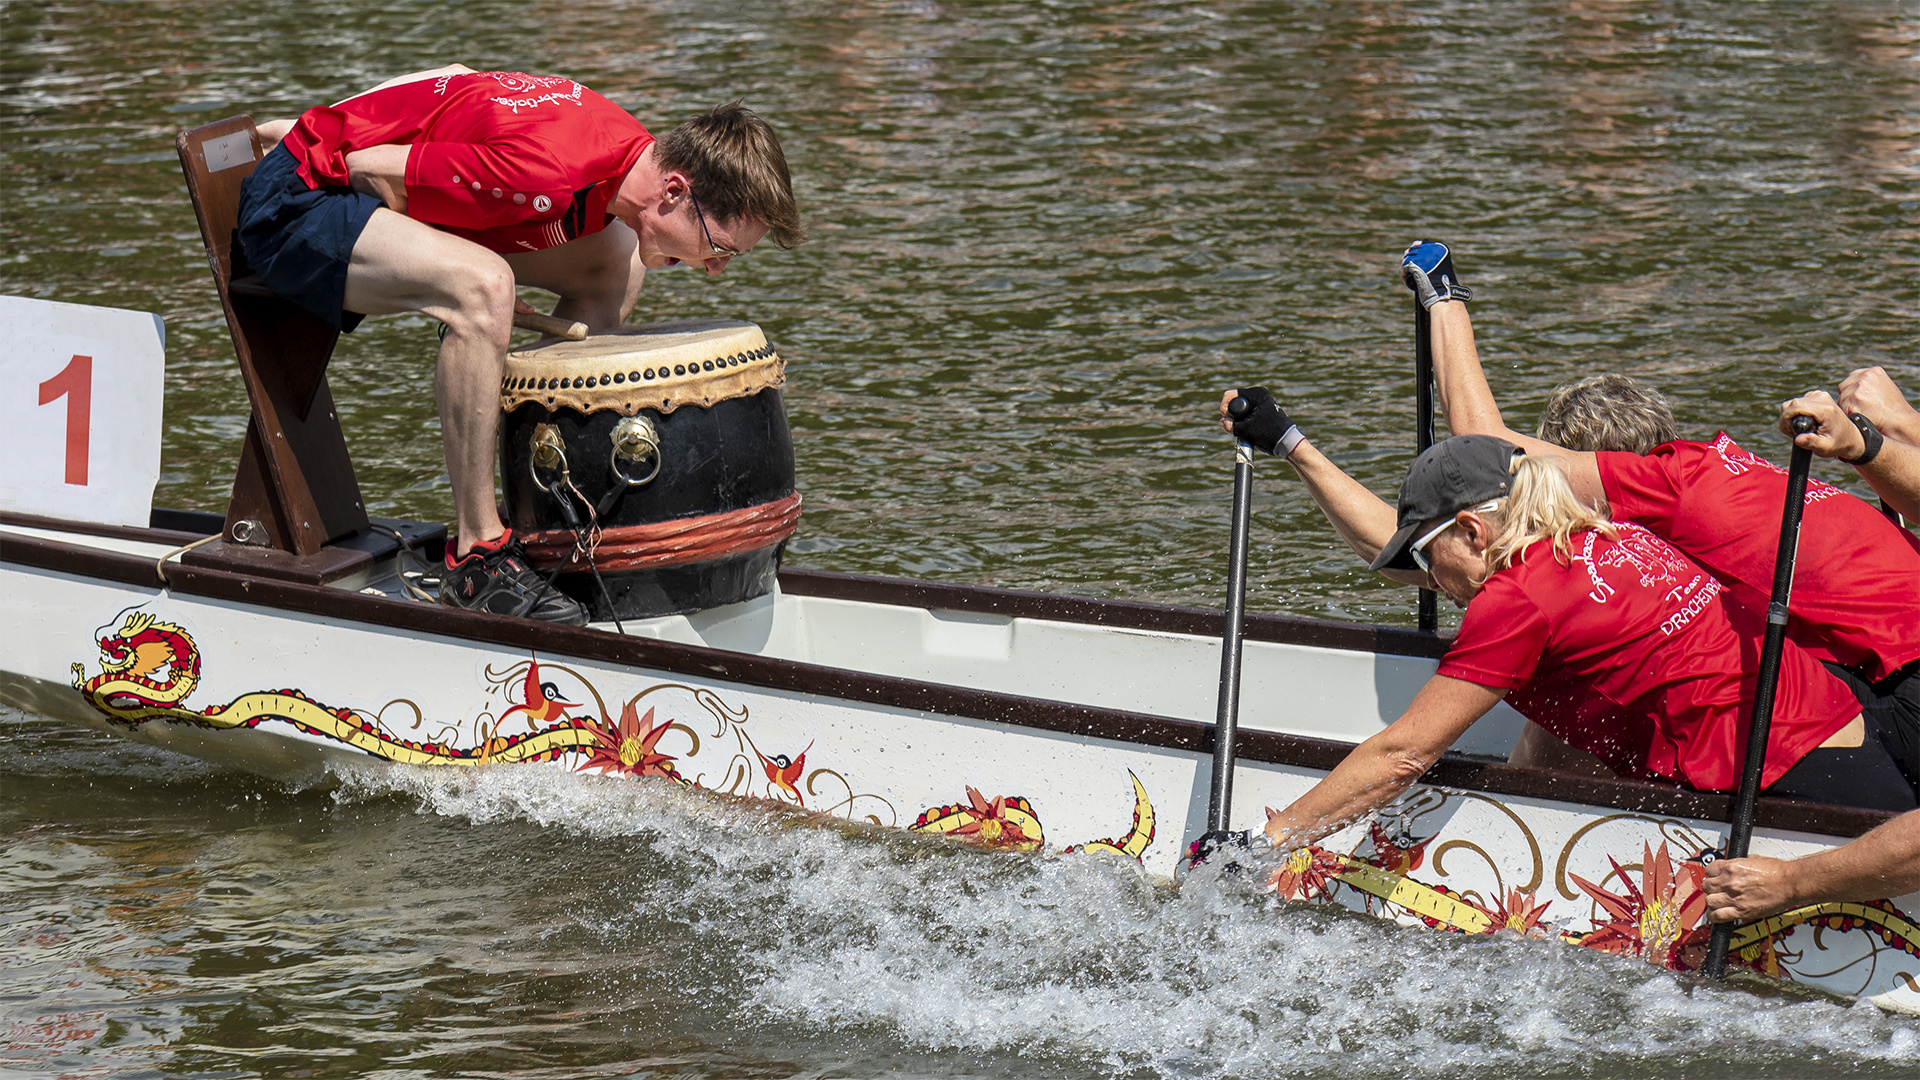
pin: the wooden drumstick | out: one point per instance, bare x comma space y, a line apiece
547, 324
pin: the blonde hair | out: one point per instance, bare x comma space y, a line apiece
1540, 504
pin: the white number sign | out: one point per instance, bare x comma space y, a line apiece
80, 405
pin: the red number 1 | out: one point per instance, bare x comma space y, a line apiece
75, 383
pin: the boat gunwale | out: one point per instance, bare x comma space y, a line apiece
1454, 770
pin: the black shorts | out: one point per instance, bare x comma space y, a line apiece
299, 240
1879, 774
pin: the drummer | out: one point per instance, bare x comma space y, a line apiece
1601, 632
441, 191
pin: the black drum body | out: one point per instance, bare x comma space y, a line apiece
693, 500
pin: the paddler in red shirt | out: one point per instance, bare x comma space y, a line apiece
1856, 589
443, 190
1873, 428
1600, 631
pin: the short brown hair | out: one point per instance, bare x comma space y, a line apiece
734, 161
1607, 412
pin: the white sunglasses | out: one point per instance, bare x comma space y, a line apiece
1418, 549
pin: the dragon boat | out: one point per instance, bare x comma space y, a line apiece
293, 638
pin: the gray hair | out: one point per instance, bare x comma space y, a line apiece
1607, 412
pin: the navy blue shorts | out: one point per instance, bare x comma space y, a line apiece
298, 239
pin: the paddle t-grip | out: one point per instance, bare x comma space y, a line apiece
1239, 407
1802, 424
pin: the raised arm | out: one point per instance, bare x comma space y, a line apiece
1379, 769
1891, 469
1362, 519
1461, 383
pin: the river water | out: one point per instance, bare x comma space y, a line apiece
1047, 236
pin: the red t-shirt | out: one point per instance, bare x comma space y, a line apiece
510, 161
1626, 652
1856, 581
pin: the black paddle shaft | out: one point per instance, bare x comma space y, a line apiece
1740, 833
1226, 721
1423, 426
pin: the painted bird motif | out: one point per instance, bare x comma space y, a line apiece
785, 774
542, 702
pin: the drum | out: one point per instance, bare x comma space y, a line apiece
668, 444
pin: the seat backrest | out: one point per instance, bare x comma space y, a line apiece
295, 490
216, 158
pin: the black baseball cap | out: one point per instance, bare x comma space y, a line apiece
1452, 475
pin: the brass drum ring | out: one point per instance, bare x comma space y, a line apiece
634, 438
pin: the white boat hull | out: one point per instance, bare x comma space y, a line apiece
1012, 730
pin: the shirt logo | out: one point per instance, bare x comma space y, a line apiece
1738, 461
542, 204
528, 89
1653, 558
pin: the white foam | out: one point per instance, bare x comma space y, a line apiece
1079, 957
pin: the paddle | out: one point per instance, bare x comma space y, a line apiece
1226, 722
1741, 832
1423, 426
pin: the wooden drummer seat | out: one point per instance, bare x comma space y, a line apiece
296, 510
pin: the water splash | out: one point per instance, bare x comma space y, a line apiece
1082, 961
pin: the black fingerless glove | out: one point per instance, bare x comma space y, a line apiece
1264, 424
1216, 841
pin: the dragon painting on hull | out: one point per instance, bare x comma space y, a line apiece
1407, 868
148, 668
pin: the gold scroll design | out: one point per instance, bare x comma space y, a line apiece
1671, 830
1755, 944
751, 774
744, 773
1432, 800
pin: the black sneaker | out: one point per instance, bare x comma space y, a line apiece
495, 578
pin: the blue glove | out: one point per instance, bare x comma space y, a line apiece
1263, 423
1427, 269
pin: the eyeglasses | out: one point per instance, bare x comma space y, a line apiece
1418, 549
718, 252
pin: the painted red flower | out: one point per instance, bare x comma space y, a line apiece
627, 749
1307, 873
988, 822
1660, 921
1517, 912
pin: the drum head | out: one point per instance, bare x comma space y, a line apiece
659, 366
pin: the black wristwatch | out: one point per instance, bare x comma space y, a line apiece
1874, 439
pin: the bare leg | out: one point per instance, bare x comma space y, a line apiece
402, 265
